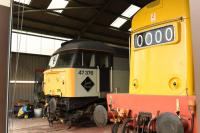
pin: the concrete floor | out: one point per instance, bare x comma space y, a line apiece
39, 125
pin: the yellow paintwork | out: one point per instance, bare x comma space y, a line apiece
154, 69
59, 82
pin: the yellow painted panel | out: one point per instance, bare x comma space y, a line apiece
59, 82
160, 11
164, 69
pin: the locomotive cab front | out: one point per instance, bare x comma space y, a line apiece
78, 73
79, 76
161, 95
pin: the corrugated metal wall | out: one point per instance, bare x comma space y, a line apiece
26, 72
121, 74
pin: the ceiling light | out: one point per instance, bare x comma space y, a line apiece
58, 4
26, 2
130, 11
118, 22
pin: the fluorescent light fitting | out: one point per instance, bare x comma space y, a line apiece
22, 82
58, 4
130, 11
118, 22
26, 2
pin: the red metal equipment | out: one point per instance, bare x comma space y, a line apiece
163, 114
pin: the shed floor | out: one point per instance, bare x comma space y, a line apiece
39, 125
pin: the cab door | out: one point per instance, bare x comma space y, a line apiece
104, 62
104, 79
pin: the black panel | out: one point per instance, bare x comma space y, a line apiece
104, 79
154, 37
68, 104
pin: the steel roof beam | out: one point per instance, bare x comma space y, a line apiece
53, 26
106, 11
72, 18
55, 9
92, 20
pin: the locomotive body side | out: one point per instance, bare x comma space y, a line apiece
69, 82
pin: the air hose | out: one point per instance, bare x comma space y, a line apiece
192, 123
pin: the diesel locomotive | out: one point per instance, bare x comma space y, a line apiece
79, 76
161, 95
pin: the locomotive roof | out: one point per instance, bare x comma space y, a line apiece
85, 45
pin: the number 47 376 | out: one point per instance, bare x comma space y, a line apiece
83, 72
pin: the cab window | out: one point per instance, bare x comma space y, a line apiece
103, 60
88, 60
65, 60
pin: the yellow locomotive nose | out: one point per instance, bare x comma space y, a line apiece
59, 82
161, 51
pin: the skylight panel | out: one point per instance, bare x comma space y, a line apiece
130, 11
26, 2
58, 4
118, 22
